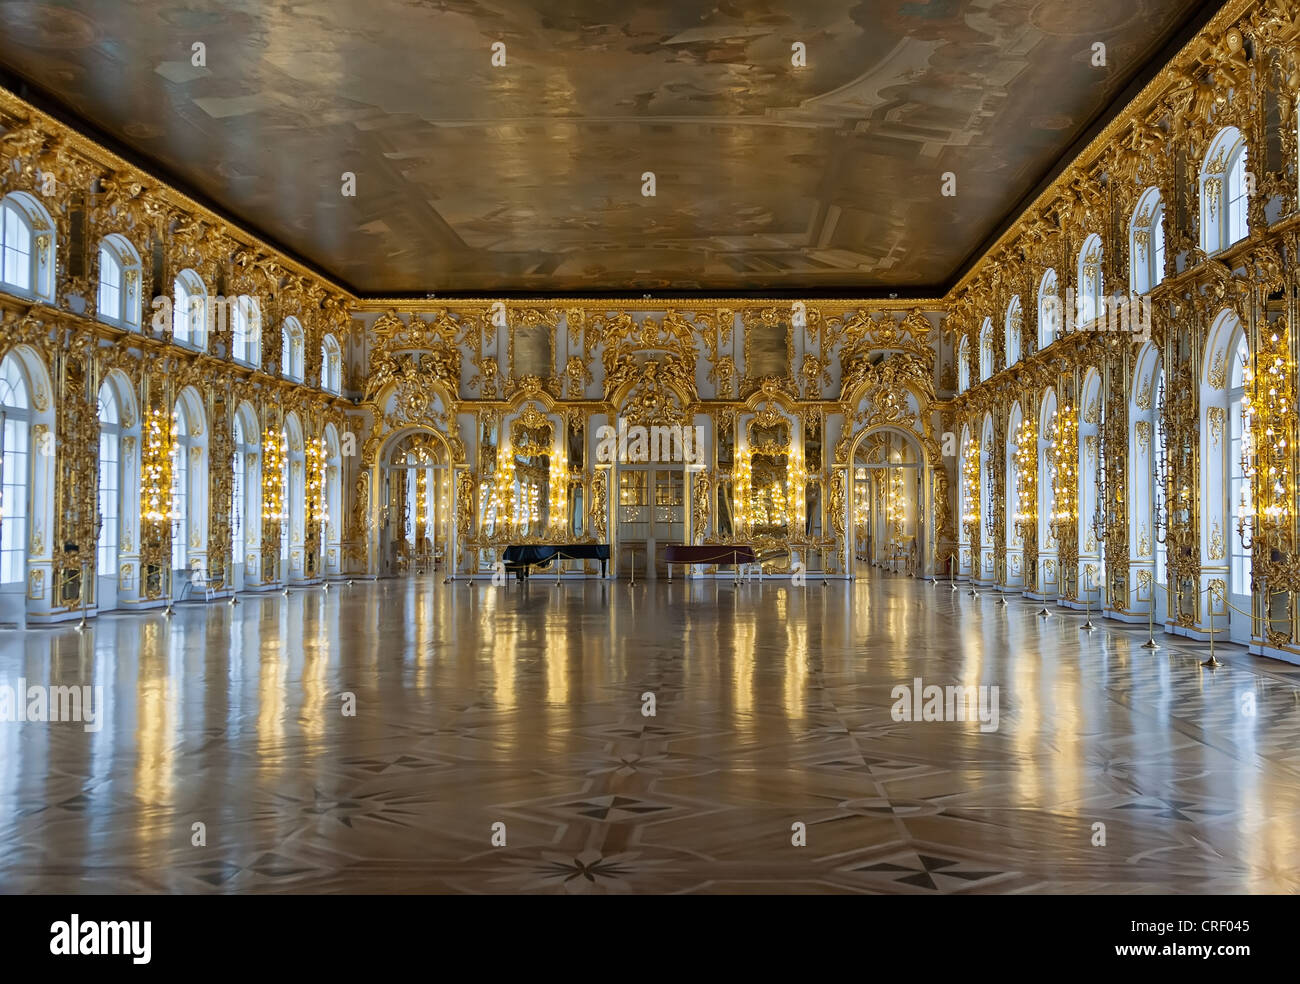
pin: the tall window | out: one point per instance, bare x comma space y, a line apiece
1147, 242
118, 302
15, 437
246, 330
1239, 491
180, 494
110, 483
1049, 310
1088, 291
110, 284
1013, 326
331, 365
189, 310
291, 355
26, 246
986, 349
284, 521
1160, 466
1225, 188
964, 450
963, 364
1236, 194
1046, 475
238, 482
16, 238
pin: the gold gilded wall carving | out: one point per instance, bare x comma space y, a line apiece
858, 364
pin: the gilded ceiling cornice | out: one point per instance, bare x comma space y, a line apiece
657, 304
18, 110
1135, 112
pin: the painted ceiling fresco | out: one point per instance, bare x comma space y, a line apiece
527, 176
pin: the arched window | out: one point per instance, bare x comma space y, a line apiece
1160, 494
286, 518
189, 310
332, 520
181, 492
246, 498
331, 366
1239, 491
965, 507
189, 490
110, 479
1147, 242
1012, 506
118, 302
1224, 485
238, 490
1224, 191
988, 498
986, 350
1014, 321
1088, 290
1145, 498
1049, 310
292, 553
246, 330
1089, 462
291, 354
27, 246
1048, 579
963, 364
15, 442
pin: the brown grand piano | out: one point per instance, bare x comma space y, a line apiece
737, 554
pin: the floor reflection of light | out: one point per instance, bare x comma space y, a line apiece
155, 716
796, 666
553, 646
422, 652
1027, 693
315, 670
1093, 720
745, 634
271, 693
502, 643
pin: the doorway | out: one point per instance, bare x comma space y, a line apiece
415, 515
651, 514
886, 515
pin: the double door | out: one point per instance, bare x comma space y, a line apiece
651, 514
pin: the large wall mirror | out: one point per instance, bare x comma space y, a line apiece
488, 504
769, 491
577, 509
812, 460
530, 446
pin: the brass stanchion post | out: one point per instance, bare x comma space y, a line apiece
1151, 619
81, 625
1212, 663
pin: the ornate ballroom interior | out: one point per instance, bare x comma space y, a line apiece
298, 360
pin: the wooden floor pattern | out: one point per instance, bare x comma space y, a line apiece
523, 706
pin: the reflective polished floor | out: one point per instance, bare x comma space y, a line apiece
523, 705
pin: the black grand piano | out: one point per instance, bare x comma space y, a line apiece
523, 557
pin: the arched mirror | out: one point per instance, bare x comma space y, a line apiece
530, 449
769, 492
